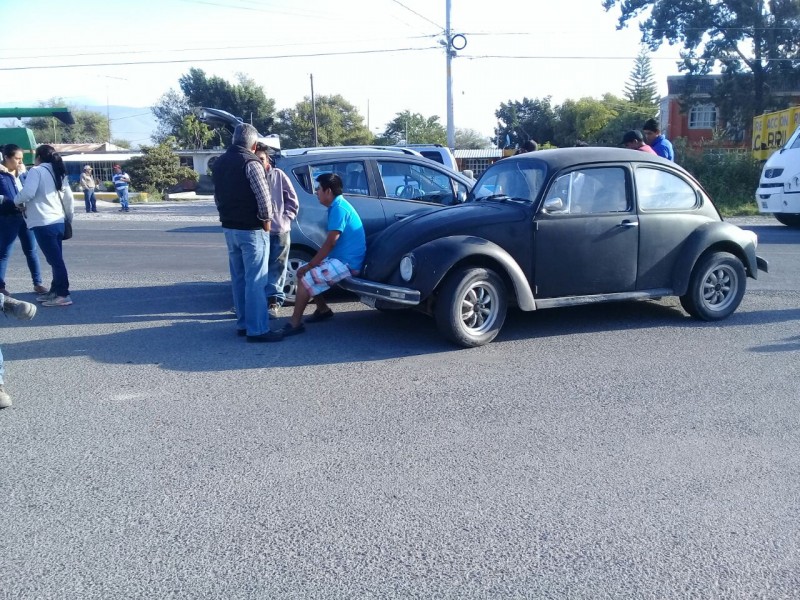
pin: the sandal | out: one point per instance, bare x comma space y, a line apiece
318, 316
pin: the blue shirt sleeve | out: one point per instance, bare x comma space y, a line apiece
337, 218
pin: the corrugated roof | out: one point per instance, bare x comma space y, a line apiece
482, 153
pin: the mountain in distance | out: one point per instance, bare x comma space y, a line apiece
132, 123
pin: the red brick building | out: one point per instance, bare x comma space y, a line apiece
703, 116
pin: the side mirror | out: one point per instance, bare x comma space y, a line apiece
554, 205
461, 197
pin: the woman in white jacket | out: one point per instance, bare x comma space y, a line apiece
47, 201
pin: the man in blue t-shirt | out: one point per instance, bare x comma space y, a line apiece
341, 255
660, 145
121, 181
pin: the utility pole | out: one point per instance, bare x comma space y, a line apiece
314, 112
451, 135
451, 43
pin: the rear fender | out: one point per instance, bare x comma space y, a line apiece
441, 255
718, 237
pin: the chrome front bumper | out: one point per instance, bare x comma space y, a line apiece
370, 291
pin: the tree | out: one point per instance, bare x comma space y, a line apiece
469, 139
641, 88
90, 127
520, 121
756, 38
121, 143
414, 128
158, 169
338, 124
243, 99
585, 119
170, 111
193, 133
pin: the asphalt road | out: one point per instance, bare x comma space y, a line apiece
618, 451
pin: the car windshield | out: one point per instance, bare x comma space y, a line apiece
518, 180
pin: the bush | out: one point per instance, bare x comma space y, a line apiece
730, 177
157, 169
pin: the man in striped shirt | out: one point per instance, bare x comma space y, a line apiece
245, 210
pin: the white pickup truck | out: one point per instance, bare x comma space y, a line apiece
779, 188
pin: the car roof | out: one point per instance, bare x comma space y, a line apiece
318, 150
561, 158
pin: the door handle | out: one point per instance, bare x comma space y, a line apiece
626, 223
400, 216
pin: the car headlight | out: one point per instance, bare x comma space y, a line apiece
407, 268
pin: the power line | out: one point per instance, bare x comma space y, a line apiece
218, 59
419, 15
100, 49
550, 57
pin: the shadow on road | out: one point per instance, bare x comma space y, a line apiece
189, 327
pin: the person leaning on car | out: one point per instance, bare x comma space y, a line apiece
245, 210
341, 255
634, 140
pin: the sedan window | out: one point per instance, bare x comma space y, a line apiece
353, 174
416, 182
661, 190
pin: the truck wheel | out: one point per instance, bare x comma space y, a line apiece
790, 220
296, 258
471, 307
716, 287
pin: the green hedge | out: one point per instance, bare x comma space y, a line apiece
730, 177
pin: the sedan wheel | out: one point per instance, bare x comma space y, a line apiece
716, 287
296, 259
471, 307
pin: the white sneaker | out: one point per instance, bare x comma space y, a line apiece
58, 301
5, 399
45, 297
18, 309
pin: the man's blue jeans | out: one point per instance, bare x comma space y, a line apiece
123, 197
248, 256
11, 228
278, 256
50, 238
89, 200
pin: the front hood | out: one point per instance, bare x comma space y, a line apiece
487, 220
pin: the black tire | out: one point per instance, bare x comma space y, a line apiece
716, 287
296, 258
471, 307
790, 220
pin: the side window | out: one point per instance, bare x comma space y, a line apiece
661, 190
589, 191
415, 182
353, 174
301, 174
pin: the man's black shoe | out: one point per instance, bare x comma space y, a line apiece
270, 336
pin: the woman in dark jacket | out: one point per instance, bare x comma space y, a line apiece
12, 224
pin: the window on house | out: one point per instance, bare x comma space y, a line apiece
703, 116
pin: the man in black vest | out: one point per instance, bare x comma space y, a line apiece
245, 210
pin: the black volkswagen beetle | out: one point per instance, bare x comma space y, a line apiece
561, 228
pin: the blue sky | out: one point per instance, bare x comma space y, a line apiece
381, 55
